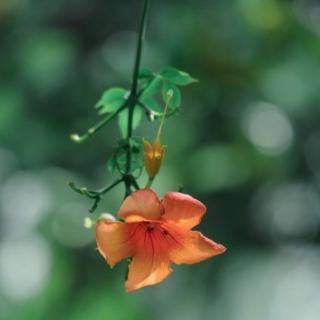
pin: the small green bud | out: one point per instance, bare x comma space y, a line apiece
75, 137
88, 223
169, 94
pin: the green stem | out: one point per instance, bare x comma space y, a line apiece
101, 192
127, 177
80, 138
134, 89
141, 36
94, 194
149, 182
106, 189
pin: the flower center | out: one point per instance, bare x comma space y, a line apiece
150, 226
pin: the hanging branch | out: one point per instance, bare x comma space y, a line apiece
128, 178
128, 105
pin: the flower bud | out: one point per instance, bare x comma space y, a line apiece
153, 154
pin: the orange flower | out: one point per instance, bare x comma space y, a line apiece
155, 234
153, 154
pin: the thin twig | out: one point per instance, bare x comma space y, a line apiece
80, 138
94, 194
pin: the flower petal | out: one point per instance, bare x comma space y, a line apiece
113, 240
141, 205
182, 210
191, 247
150, 265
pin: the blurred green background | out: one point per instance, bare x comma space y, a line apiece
246, 143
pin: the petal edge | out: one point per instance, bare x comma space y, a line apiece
193, 247
112, 240
143, 203
182, 210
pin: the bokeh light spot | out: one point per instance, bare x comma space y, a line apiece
268, 128
24, 266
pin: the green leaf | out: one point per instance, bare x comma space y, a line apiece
145, 77
153, 87
177, 77
119, 157
111, 164
120, 162
111, 100
123, 120
145, 73
175, 100
136, 144
151, 103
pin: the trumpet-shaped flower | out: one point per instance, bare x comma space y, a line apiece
155, 234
